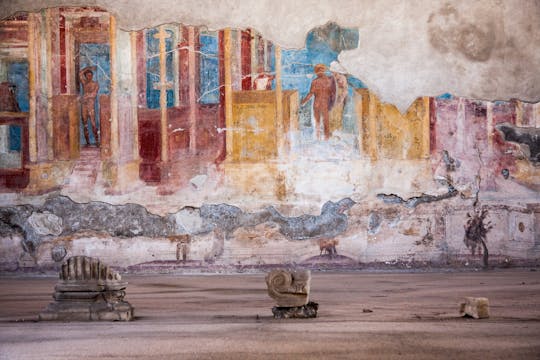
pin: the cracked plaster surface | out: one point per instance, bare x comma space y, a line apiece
67, 217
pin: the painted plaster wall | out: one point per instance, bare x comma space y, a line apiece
481, 49
408, 53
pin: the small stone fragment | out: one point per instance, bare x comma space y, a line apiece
477, 308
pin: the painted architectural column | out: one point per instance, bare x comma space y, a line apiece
42, 129
279, 104
49, 82
426, 118
372, 127
163, 94
236, 59
134, 95
114, 88
193, 78
245, 59
254, 55
127, 117
122, 169
228, 90
32, 84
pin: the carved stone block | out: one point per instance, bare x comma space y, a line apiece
289, 288
88, 290
477, 308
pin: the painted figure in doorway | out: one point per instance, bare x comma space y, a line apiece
8, 99
90, 90
323, 88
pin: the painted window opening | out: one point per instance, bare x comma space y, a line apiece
15, 99
209, 67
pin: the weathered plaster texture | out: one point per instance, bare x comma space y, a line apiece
244, 180
481, 49
345, 234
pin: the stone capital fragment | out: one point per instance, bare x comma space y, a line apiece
88, 290
289, 288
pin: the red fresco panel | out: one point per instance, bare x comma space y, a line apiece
246, 60
62, 40
183, 63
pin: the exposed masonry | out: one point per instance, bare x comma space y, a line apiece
416, 200
530, 137
451, 165
60, 216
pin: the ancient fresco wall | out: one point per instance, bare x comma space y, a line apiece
180, 145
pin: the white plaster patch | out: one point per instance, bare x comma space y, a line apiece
188, 221
198, 181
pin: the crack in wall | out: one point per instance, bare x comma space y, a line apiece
417, 200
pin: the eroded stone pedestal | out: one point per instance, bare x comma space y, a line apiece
88, 290
296, 312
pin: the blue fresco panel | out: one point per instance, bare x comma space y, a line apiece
209, 68
18, 75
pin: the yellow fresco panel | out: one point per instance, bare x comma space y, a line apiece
255, 123
386, 133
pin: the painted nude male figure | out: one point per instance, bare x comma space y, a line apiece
323, 88
90, 90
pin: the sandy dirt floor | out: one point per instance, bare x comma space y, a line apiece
414, 316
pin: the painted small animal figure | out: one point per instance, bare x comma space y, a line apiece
328, 246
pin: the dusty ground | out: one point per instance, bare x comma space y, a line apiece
228, 317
